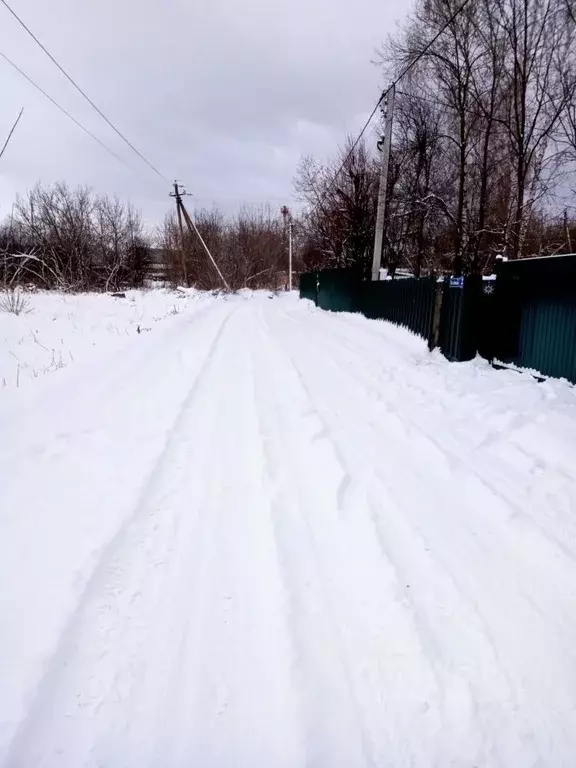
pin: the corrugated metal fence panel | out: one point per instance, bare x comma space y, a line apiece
407, 302
536, 315
309, 286
547, 340
338, 289
450, 321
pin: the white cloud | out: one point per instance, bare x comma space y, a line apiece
225, 95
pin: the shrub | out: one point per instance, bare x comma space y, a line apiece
14, 301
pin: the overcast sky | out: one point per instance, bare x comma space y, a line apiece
225, 95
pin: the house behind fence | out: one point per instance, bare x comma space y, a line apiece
525, 317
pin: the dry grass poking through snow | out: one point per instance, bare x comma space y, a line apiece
14, 301
43, 332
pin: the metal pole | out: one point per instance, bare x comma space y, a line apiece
287, 216
290, 255
567, 230
383, 188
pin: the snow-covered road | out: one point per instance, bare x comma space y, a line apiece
264, 535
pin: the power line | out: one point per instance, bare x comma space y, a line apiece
11, 133
352, 149
64, 111
404, 72
437, 103
431, 43
428, 45
83, 93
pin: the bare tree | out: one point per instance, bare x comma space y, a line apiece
416, 206
74, 240
499, 91
536, 32
248, 249
339, 225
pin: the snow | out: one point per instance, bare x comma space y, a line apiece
263, 534
58, 329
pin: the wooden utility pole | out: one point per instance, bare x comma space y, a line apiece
192, 228
383, 188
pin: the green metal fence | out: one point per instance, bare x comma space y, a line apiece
535, 311
309, 286
526, 317
407, 302
338, 290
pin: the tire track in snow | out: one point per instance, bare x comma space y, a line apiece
376, 431
392, 672
180, 653
457, 702
460, 462
452, 704
237, 705
275, 615
356, 476
473, 587
329, 702
107, 570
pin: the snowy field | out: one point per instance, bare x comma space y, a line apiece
56, 330
265, 535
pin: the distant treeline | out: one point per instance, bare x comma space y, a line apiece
73, 239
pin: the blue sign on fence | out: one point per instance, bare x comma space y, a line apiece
456, 282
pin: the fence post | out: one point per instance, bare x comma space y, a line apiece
437, 314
